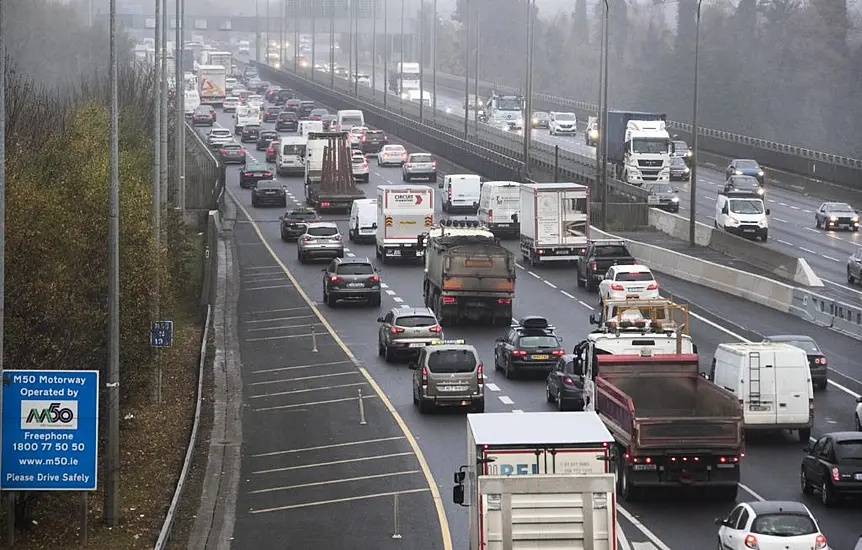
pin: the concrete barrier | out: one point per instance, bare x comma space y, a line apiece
826, 312
781, 265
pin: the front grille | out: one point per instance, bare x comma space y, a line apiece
651, 163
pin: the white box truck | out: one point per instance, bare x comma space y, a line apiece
538, 477
554, 221
403, 213
212, 80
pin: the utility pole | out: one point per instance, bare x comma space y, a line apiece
179, 110
164, 100
355, 47
476, 70
313, 8
528, 111
420, 28
156, 212
281, 36
182, 109
332, 44
598, 187
295, 38
692, 218
603, 124
266, 34
467, 69
374, 50
386, 50
434, 61
112, 458
401, 51
257, 30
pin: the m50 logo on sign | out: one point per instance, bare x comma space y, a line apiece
49, 415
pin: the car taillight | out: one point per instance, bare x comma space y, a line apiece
505, 301
653, 286
617, 286
435, 328
267, 174
337, 237
336, 279
820, 543
568, 382
306, 238
820, 361
247, 174
396, 330
364, 138
751, 542
519, 353
490, 212
364, 164
434, 164
424, 376
374, 278
449, 194
810, 407
593, 265
836, 475
448, 299
324, 204
558, 352
479, 373
224, 151
409, 165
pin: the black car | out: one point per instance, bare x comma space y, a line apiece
328, 122
293, 223
252, 173
287, 121
834, 215
833, 467
662, 195
263, 86
744, 185
351, 279
744, 167
565, 384
679, 170
305, 109
292, 105
531, 345
680, 149
373, 141
271, 95
265, 138
270, 114
816, 359
268, 192
318, 114
284, 95
203, 117
250, 133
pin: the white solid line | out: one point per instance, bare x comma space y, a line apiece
830, 258
534, 274
506, 400
566, 294
390, 292
397, 300
332, 463
333, 481
519, 266
812, 230
256, 279
622, 540
586, 305
842, 285
309, 404
492, 387
405, 306
780, 220
279, 319
750, 491
269, 287
339, 500
323, 447
549, 283
643, 529
292, 392
517, 411
311, 366
807, 250
785, 242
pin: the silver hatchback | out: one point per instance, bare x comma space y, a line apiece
320, 240
419, 165
404, 331
448, 375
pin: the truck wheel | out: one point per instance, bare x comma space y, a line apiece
581, 282
627, 492
591, 285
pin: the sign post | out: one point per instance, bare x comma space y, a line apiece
50, 430
161, 336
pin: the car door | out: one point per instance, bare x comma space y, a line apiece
825, 459
385, 328
821, 213
327, 273
738, 533
856, 264
503, 347
728, 533
811, 462
554, 376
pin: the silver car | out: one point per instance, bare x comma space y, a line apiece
320, 240
404, 331
448, 374
218, 137
419, 165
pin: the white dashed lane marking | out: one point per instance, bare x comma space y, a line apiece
549, 283
390, 292
492, 387
830, 258
807, 250
397, 300
586, 305
506, 400
534, 274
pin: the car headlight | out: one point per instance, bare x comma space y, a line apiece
737, 172
675, 199
535, 121
732, 221
687, 170
594, 134
762, 222
760, 173
760, 191
833, 219
855, 219
688, 153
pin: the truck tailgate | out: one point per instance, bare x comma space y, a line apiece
479, 268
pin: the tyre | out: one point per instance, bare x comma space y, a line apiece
581, 282
850, 278
284, 237
548, 397
367, 178
388, 355
806, 487
827, 495
301, 257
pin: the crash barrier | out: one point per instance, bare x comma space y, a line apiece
778, 263
488, 149
826, 312
204, 177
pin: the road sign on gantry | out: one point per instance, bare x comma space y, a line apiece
50, 430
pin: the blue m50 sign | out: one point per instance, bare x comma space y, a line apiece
50, 430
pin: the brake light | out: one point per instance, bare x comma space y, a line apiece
324, 205
267, 174
751, 542
568, 381
337, 237
504, 301
490, 212
479, 374
653, 286
434, 164
557, 352
810, 407
364, 138
224, 151
424, 376
396, 330
820, 543
247, 174
593, 266
448, 299
336, 279
306, 238
519, 353
449, 193
435, 328
364, 164
409, 165
820, 361
836, 475
617, 286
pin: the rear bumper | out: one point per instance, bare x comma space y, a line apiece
406, 251
460, 400
274, 200
535, 366
469, 208
510, 228
322, 252
357, 293
291, 169
779, 426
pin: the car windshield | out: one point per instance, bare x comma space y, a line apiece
256, 168
677, 161
452, 360
538, 342
634, 276
658, 188
838, 207
567, 117
741, 206
322, 231
747, 165
611, 250
649, 146
232, 147
783, 525
220, 133
680, 146
421, 158
355, 269
415, 321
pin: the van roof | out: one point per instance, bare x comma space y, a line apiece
536, 428
501, 184
745, 347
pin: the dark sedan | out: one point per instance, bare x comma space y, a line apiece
541, 119
272, 150
252, 173
318, 114
681, 149
232, 153
662, 195
744, 185
284, 95
287, 122
292, 105
832, 467
679, 170
270, 114
328, 122
250, 133
835, 215
305, 109
271, 95
565, 384
293, 223
816, 359
265, 138
203, 117
372, 141
268, 192
745, 167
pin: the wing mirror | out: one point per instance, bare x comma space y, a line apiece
412, 366
767, 211
374, 225
380, 319
593, 319
721, 522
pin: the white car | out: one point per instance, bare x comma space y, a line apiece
230, 104
392, 155
218, 137
360, 167
255, 100
363, 79
562, 123
354, 136
768, 525
858, 418
624, 282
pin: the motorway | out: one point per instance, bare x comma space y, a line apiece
771, 465
791, 229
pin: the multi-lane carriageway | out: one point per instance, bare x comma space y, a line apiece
771, 464
791, 228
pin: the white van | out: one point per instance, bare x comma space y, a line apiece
345, 120
461, 192
499, 206
363, 221
772, 382
306, 126
290, 157
744, 215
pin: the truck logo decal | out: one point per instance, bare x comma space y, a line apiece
408, 197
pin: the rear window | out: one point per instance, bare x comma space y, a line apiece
852, 448
452, 360
611, 251
807, 345
421, 158
538, 342
302, 215
783, 525
322, 231
639, 276
374, 133
415, 321
298, 150
355, 269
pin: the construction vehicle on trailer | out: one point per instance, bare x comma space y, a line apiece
468, 274
329, 183
555, 222
538, 477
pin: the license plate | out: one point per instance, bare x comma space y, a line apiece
452, 388
417, 345
541, 356
652, 200
759, 408
355, 285
563, 251
396, 252
504, 225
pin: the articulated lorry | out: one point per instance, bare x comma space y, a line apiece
468, 275
555, 222
639, 146
329, 183
538, 480
404, 78
404, 214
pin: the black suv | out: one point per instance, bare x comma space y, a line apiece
305, 108
252, 173
531, 345
284, 95
265, 138
293, 223
270, 114
250, 133
373, 141
268, 192
287, 122
351, 279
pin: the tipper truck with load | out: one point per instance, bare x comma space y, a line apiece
538, 480
468, 275
404, 213
329, 183
555, 222
639, 146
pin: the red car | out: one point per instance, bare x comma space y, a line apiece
272, 150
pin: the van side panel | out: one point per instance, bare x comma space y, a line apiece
759, 388
793, 386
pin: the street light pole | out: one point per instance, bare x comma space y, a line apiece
603, 119
332, 44
434, 61
179, 110
401, 52
257, 30
355, 47
385, 53
467, 69
476, 70
281, 35
420, 28
528, 111
599, 107
313, 9
374, 49
692, 219
295, 37
351, 6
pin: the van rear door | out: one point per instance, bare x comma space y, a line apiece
759, 388
793, 386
